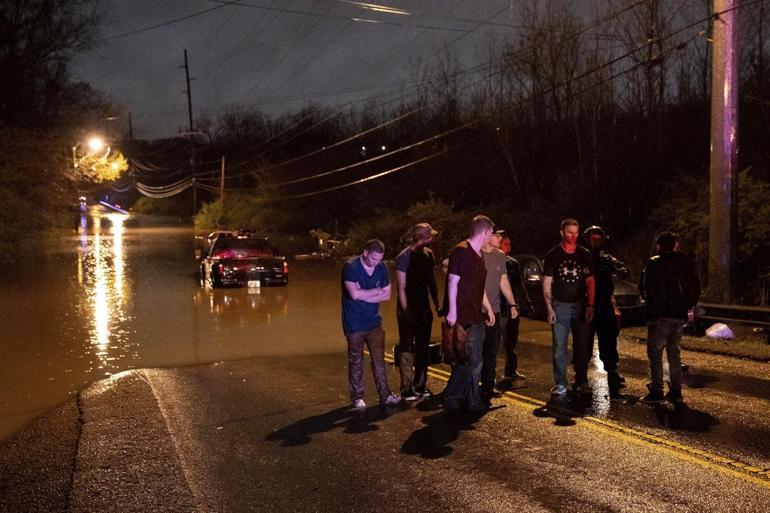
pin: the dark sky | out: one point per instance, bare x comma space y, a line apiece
278, 57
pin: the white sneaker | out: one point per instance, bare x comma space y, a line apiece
391, 400
359, 403
558, 390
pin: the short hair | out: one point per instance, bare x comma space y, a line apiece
481, 223
374, 246
570, 221
667, 241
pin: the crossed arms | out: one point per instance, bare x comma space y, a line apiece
377, 295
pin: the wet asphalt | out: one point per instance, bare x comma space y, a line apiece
240, 404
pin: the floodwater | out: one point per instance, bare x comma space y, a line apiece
112, 298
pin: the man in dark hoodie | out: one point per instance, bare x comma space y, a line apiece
671, 288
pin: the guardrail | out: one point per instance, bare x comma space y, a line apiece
750, 315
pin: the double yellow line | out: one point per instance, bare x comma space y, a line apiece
683, 452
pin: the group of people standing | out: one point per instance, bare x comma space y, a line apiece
484, 299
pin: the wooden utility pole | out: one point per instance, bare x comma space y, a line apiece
190, 131
222, 183
723, 187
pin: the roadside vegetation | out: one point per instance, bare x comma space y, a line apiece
602, 117
43, 114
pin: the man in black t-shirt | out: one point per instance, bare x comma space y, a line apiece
463, 302
568, 290
416, 287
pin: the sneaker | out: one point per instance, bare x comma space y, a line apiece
359, 403
558, 391
409, 395
583, 388
425, 393
674, 396
391, 400
516, 376
504, 384
654, 397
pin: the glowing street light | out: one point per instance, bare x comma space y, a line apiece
96, 161
96, 143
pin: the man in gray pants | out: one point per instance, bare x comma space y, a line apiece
671, 288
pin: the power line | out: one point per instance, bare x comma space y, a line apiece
541, 93
350, 18
224, 3
473, 69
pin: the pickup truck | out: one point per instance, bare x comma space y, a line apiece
237, 260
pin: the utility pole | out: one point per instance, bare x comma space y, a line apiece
723, 186
222, 183
190, 130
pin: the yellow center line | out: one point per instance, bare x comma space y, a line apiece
683, 452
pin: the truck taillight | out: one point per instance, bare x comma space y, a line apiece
285, 267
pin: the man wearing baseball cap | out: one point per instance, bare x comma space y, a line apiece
416, 287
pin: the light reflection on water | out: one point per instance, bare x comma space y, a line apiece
115, 297
101, 256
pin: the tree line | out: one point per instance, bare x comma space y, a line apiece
602, 116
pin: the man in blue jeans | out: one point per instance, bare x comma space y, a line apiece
464, 304
568, 289
671, 288
365, 284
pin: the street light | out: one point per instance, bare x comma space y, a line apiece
96, 160
96, 143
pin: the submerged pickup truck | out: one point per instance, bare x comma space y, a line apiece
235, 259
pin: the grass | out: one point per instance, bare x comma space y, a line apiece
746, 344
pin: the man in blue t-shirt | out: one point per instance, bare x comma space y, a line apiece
365, 284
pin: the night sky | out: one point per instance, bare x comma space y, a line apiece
278, 58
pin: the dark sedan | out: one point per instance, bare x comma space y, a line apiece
628, 301
234, 260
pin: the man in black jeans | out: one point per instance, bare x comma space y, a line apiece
606, 321
416, 287
671, 288
509, 325
496, 287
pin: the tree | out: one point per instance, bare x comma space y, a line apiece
37, 39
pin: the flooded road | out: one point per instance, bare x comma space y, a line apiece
113, 298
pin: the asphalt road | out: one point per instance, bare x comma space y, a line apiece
277, 433
242, 406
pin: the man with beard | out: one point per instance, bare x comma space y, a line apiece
416, 288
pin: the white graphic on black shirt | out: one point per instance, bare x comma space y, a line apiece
569, 271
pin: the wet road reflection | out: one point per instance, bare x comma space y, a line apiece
116, 297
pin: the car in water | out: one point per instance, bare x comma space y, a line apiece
241, 259
627, 298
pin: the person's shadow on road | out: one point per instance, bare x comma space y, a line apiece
348, 419
561, 409
441, 429
681, 417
